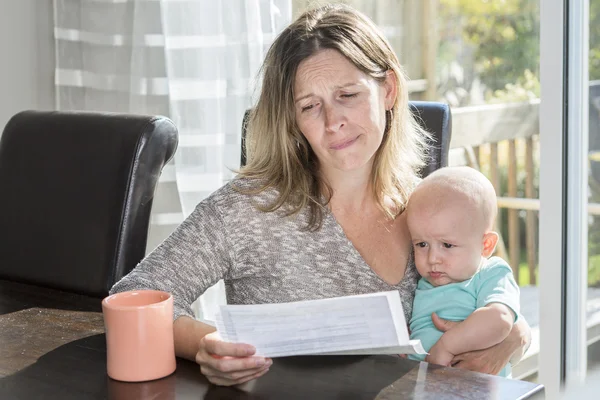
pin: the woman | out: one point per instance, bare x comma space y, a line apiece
317, 212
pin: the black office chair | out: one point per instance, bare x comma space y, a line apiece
76, 191
434, 117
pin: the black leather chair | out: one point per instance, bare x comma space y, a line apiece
434, 117
76, 191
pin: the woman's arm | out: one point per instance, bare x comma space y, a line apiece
193, 258
493, 359
222, 363
187, 333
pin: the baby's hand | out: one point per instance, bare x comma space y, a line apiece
438, 354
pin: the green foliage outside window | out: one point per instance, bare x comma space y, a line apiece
505, 37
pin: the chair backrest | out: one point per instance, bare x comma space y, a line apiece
76, 191
434, 117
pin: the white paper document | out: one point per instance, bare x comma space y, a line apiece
364, 324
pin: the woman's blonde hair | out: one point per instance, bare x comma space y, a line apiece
279, 156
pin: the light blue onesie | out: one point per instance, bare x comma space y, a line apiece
493, 283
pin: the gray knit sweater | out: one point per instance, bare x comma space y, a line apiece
262, 257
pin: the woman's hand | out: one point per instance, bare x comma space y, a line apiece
229, 364
439, 354
492, 359
488, 361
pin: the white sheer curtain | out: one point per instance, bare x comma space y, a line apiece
192, 60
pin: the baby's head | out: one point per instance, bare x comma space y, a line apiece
450, 217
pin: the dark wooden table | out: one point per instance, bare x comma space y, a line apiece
52, 346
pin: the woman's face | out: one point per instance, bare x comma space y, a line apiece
340, 110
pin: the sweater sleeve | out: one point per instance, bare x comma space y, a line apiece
193, 258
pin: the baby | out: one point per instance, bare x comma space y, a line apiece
450, 217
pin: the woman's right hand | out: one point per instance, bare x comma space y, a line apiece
229, 364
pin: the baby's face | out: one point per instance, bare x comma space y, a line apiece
447, 241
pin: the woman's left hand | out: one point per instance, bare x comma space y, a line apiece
488, 361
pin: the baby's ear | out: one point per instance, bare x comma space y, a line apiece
490, 240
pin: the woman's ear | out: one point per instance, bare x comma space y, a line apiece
490, 240
391, 89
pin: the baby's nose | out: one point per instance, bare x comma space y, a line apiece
434, 257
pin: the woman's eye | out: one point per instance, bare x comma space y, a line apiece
307, 108
349, 95
421, 244
448, 245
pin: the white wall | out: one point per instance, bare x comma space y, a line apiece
26, 57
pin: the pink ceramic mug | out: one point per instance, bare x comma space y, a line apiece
139, 335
